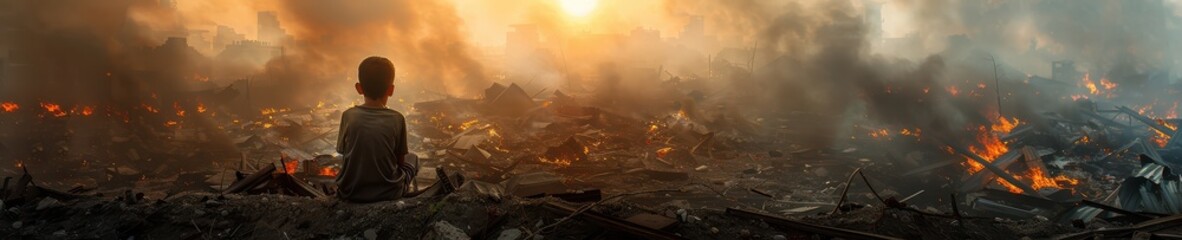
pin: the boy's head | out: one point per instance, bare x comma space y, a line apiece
375, 78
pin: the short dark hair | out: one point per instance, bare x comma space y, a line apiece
375, 74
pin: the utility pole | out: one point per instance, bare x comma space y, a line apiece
997, 84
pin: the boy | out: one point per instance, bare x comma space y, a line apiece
372, 142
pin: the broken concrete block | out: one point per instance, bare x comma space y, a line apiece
535, 183
442, 230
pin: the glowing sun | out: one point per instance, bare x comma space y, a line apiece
578, 8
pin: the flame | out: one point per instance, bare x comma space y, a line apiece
291, 166
1038, 180
1083, 140
1160, 138
1087, 82
492, 132
54, 109
149, 108
1077, 97
1004, 125
200, 107
879, 133
1107, 84
468, 124
180, 111
170, 123
991, 145
328, 171
661, 153
10, 106
914, 133
559, 162
85, 111
272, 110
953, 90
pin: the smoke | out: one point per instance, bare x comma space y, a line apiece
423, 38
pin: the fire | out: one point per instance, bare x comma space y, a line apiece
991, 145
170, 123
10, 106
1004, 125
327, 171
1087, 81
269, 111
468, 124
879, 133
1160, 138
180, 111
1107, 84
149, 108
85, 111
661, 153
54, 109
200, 107
991, 148
291, 166
953, 90
558, 162
1039, 180
908, 132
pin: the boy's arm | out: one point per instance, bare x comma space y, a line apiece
401, 149
341, 135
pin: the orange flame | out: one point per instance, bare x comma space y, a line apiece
1087, 81
149, 108
200, 107
1160, 138
1107, 84
991, 145
85, 111
54, 109
327, 171
10, 106
291, 166
661, 153
180, 111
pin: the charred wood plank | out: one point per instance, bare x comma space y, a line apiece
978, 180
587, 195
252, 181
806, 227
613, 223
298, 187
996, 170
1146, 120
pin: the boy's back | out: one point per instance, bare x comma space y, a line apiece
372, 140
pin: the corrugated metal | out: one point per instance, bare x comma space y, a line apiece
1152, 189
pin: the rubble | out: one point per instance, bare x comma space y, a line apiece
1064, 166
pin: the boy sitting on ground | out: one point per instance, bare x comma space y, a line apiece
377, 164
